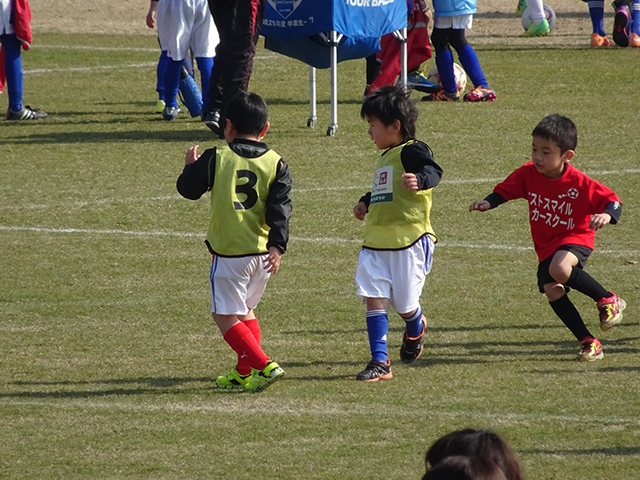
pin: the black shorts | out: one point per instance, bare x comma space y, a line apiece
545, 277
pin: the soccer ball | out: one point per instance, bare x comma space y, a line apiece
458, 71
549, 14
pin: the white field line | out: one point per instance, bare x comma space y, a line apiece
317, 240
260, 55
340, 410
162, 198
123, 66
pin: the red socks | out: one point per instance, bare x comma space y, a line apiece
244, 339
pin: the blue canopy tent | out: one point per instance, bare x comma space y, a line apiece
322, 33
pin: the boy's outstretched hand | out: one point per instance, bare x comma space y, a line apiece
192, 155
480, 205
599, 220
272, 262
360, 210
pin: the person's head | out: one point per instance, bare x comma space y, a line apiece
246, 115
459, 467
480, 443
391, 116
554, 142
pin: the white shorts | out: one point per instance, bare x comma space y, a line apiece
398, 275
237, 283
184, 25
457, 21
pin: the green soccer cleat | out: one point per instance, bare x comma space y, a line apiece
159, 106
261, 379
233, 380
521, 7
539, 29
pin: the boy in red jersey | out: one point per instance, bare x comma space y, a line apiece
566, 208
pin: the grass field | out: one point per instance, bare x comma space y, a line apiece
107, 349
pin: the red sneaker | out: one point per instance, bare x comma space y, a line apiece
610, 311
590, 350
480, 94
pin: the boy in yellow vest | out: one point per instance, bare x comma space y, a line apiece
248, 232
398, 238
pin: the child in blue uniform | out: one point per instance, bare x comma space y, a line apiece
398, 238
452, 18
626, 23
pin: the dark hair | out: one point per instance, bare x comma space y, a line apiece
459, 467
480, 443
247, 112
558, 129
391, 103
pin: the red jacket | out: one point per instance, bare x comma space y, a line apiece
22, 26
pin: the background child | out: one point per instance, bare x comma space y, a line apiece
626, 23
566, 207
15, 34
418, 50
162, 60
248, 231
539, 24
471, 443
398, 238
182, 26
458, 467
451, 20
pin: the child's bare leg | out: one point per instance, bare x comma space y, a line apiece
378, 304
561, 266
225, 322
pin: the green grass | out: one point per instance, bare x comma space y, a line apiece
107, 348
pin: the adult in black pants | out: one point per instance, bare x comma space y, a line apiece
238, 23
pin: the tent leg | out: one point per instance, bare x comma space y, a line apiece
333, 128
313, 118
403, 57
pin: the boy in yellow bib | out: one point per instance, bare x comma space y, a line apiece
398, 238
248, 232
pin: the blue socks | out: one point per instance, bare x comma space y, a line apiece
635, 17
471, 65
161, 70
596, 12
205, 65
377, 328
168, 73
414, 324
13, 71
171, 82
444, 62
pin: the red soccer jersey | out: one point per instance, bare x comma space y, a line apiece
559, 210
